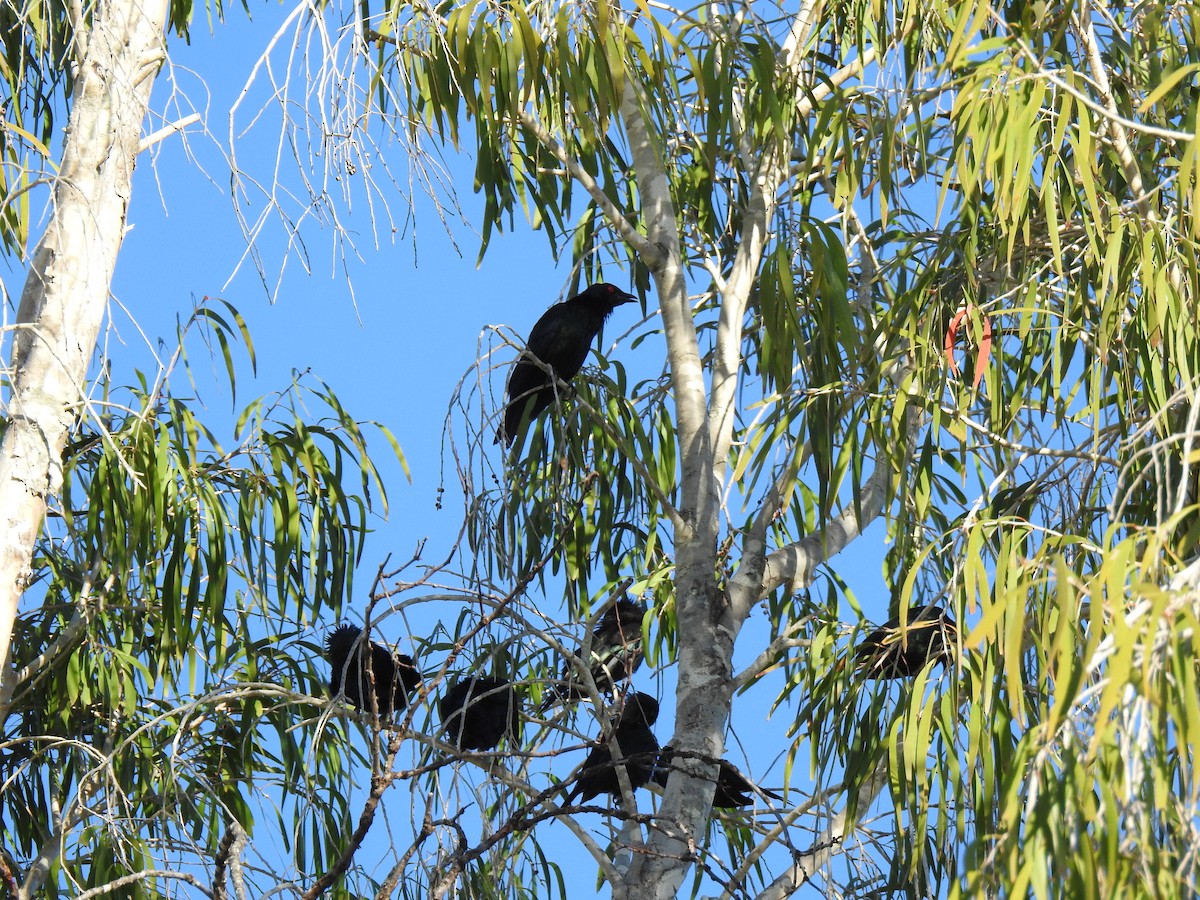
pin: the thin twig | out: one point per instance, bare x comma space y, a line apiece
167, 130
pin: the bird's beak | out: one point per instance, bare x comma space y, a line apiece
629, 298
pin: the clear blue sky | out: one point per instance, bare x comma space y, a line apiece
394, 357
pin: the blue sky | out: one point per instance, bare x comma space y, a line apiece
393, 354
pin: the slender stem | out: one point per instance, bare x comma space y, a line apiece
610, 209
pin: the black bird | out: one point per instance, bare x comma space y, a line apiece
476, 712
639, 750
616, 654
733, 790
889, 652
394, 674
561, 340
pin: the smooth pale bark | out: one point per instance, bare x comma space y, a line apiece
705, 632
708, 621
757, 219
66, 290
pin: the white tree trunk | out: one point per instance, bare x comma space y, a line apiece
66, 290
709, 618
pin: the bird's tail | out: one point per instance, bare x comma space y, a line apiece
575, 791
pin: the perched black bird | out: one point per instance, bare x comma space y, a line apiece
889, 652
561, 340
394, 674
477, 712
639, 750
616, 653
733, 790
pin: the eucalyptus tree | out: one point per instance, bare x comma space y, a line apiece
151, 570
928, 265
112, 54
932, 264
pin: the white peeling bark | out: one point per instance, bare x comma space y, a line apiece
769, 178
66, 290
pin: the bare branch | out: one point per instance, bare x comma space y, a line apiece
796, 563
229, 858
133, 878
805, 864
166, 131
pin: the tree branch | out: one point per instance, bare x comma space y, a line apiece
745, 587
1116, 131
389, 884
708, 622
705, 633
229, 860
804, 864
795, 563
769, 839
133, 878
666, 265
612, 212
770, 175
380, 782
69, 637
167, 130
50, 850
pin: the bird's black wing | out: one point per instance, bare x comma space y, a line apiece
408, 678
503, 704
640, 749
733, 789
610, 664
452, 713
894, 652
339, 645
529, 389
480, 721
560, 339
563, 336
